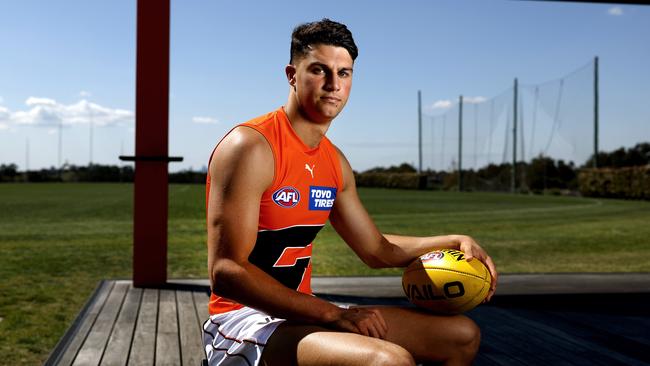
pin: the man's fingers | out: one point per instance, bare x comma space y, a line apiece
375, 324
494, 275
381, 321
473, 250
373, 331
493, 271
368, 322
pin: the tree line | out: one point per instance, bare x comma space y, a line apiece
540, 174
90, 173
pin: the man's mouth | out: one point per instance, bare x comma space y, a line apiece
331, 99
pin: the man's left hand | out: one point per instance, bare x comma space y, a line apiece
472, 250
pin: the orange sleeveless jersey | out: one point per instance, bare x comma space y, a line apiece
293, 209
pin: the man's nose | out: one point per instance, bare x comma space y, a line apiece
333, 82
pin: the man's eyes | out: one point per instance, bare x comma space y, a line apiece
318, 70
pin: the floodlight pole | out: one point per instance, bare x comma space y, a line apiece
513, 177
27, 155
460, 143
419, 132
595, 159
90, 144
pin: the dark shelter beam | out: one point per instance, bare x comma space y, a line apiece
151, 140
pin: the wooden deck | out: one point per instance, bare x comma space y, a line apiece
123, 325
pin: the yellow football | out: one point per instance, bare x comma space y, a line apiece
444, 282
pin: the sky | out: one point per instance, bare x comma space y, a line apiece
67, 71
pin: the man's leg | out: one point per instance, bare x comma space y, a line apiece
453, 340
295, 344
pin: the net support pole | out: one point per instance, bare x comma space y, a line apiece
513, 177
419, 132
151, 139
460, 143
595, 159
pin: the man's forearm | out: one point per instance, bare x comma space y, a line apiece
250, 286
400, 250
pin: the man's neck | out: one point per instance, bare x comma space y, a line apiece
310, 132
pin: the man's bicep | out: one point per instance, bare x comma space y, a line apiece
239, 176
350, 218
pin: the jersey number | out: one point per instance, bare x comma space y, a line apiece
289, 258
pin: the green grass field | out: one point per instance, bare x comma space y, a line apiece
58, 240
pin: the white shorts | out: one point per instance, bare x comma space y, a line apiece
237, 337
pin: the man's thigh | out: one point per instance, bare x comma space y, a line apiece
296, 344
424, 336
429, 337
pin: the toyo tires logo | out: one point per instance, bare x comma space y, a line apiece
286, 197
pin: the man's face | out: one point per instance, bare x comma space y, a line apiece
322, 81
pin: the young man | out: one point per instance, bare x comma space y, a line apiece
273, 182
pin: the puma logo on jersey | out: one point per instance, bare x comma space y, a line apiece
286, 197
310, 169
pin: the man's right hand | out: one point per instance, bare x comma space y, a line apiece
365, 321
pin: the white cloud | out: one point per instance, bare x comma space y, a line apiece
84, 94
3, 126
474, 100
442, 104
2, 100
205, 120
48, 112
616, 11
32, 101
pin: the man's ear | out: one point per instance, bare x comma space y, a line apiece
290, 71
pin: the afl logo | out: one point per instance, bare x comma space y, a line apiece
432, 256
286, 197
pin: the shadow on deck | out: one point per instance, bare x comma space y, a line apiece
594, 319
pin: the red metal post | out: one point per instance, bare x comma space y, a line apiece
151, 139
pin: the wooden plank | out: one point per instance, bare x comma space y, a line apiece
600, 335
144, 339
201, 303
93, 348
190, 329
489, 356
117, 350
87, 321
167, 343
633, 328
503, 331
542, 338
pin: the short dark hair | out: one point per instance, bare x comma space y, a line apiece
325, 32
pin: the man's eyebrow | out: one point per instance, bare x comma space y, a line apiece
316, 63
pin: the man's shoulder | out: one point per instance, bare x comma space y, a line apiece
263, 119
243, 139
243, 150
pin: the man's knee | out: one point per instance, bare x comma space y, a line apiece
393, 355
468, 336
